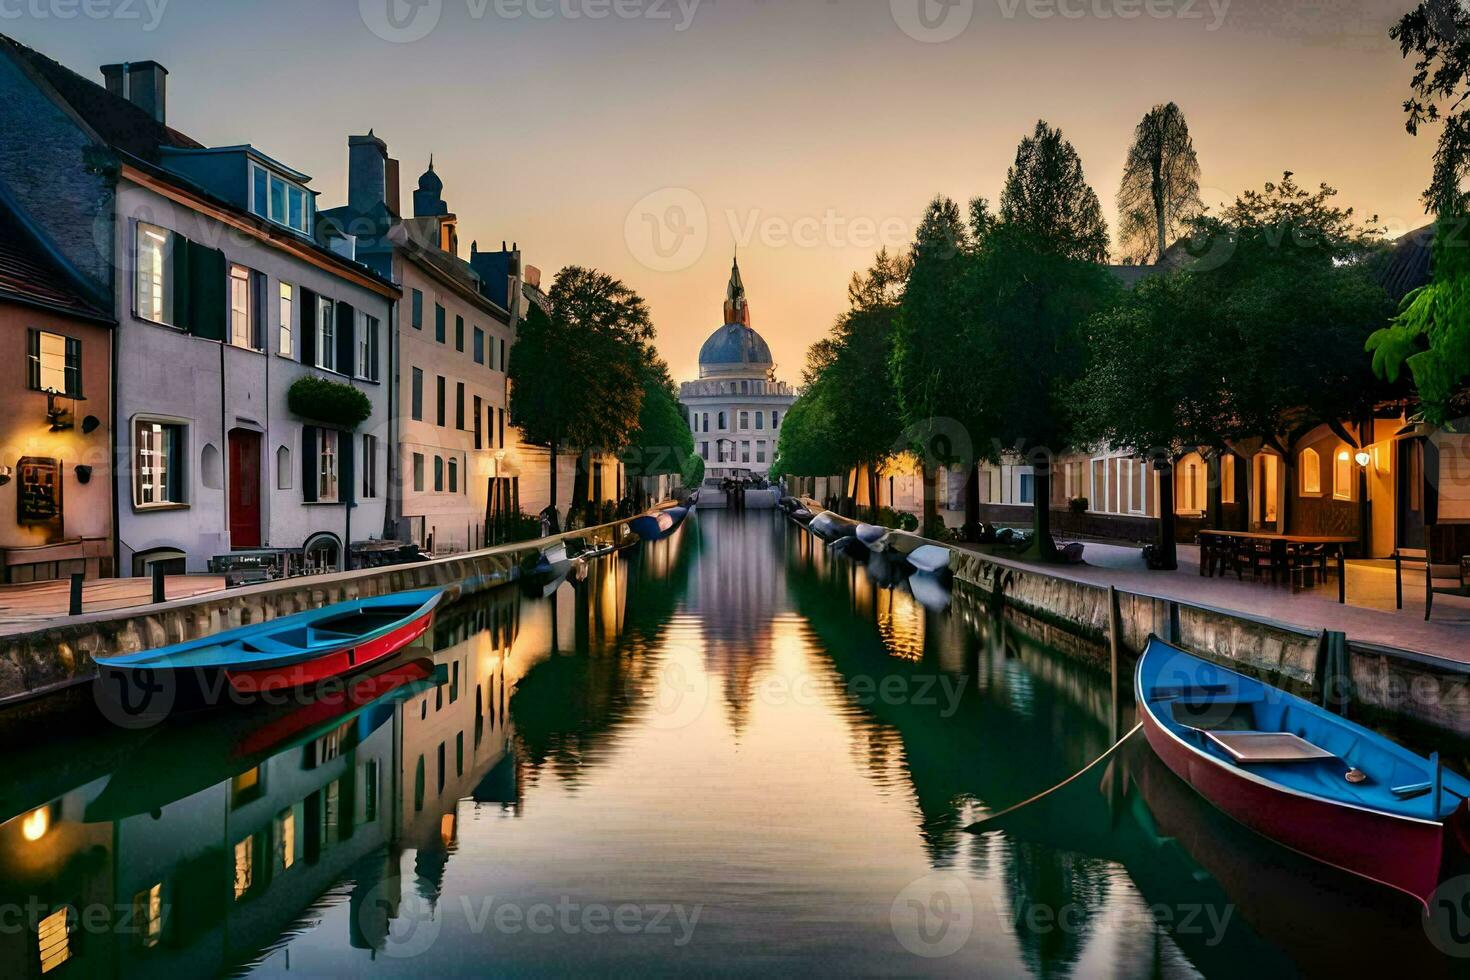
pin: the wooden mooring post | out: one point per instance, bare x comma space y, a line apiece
1115, 640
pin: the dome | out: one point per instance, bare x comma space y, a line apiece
429, 181
733, 346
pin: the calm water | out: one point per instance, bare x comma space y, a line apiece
730, 752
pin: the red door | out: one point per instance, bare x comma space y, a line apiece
244, 488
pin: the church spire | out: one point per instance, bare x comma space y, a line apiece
736, 309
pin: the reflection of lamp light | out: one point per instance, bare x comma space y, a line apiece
36, 823
1363, 457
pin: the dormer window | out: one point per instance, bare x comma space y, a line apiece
277, 199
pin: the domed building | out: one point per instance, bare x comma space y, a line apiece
736, 407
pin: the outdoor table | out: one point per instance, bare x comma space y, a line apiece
1334, 542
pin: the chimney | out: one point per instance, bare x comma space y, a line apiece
392, 187
367, 172
143, 83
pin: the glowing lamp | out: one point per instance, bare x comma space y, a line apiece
36, 823
1363, 457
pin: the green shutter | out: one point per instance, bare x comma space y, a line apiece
307, 346
208, 294
346, 480
346, 339
308, 463
33, 359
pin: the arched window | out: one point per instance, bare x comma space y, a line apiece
1342, 475
210, 469
1311, 471
722, 422
453, 475
323, 552
283, 468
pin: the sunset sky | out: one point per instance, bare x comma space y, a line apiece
805, 132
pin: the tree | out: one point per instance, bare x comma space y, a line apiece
1047, 199
576, 373
928, 363
1435, 32
661, 443
1159, 192
805, 445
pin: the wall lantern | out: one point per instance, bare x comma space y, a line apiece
57, 414
1363, 457
84, 473
5, 474
89, 424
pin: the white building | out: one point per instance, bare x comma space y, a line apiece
737, 406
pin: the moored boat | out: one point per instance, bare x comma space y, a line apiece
292, 651
930, 559
832, 526
1301, 775
871, 534
658, 524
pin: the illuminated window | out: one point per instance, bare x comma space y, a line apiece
1342, 476
245, 787
288, 304
326, 479
244, 867
148, 915
285, 838
1227, 478
242, 320
326, 334
158, 463
54, 938
153, 290
1311, 471
53, 363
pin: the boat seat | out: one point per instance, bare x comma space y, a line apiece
1204, 693
1262, 747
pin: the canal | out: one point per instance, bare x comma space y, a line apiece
729, 752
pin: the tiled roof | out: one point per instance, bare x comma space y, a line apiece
116, 120
29, 275
1406, 266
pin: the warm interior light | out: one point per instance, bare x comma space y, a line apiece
36, 823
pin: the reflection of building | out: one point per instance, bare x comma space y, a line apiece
737, 405
55, 518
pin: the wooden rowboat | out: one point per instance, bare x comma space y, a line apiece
1301, 775
930, 559
292, 651
659, 524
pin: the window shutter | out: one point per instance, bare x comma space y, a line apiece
180, 278
33, 359
346, 339
258, 282
73, 366
307, 346
208, 296
308, 463
175, 471
346, 471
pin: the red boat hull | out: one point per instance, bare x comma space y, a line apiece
334, 663
1395, 851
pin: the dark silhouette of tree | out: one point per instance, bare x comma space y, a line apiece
1159, 192
1437, 33
1047, 198
662, 442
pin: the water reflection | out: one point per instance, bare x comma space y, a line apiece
749, 751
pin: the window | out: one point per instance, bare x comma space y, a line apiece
1026, 488
439, 400
283, 468
276, 199
1191, 486
1134, 475
438, 474
1342, 476
326, 466
418, 309
722, 422
453, 475
53, 363
285, 838
459, 334
760, 420
706, 421
479, 350
439, 323
326, 334
478, 427
53, 938
704, 451
418, 472
369, 466
745, 451
158, 463
288, 302
153, 293
417, 397
1227, 478
244, 867
744, 421
367, 348
760, 447
502, 353
1311, 465
459, 405
148, 915
242, 317
500, 427
775, 420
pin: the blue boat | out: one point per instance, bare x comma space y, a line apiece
658, 524
1299, 774
292, 651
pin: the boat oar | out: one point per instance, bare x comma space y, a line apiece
986, 824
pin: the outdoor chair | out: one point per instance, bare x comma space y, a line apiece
1306, 565
1260, 558
1443, 580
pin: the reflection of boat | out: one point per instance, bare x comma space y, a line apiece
851, 547
930, 593
659, 524
292, 651
1239, 903
901, 543
930, 559
886, 570
1300, 775
182, 759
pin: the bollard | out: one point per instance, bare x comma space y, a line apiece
157, 568
74, 607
